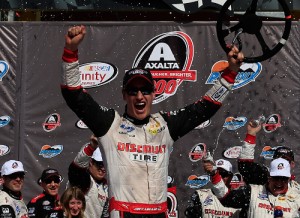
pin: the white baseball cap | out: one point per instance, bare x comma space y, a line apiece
280, 167
224, 164
11, 166
97, 156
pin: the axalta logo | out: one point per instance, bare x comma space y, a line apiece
272, 123
4, 67
96, 74
51, 122
168, 57
197, 152
248, 73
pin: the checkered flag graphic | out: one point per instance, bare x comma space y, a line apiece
191, 6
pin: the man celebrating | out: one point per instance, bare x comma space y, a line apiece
46, 204
204, 204
137, 145
11, 200
263, 200
87, 172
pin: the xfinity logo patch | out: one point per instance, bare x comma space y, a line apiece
168, 57
97, 74
232, 152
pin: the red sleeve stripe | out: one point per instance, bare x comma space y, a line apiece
89, 150
250, 139
229, 75
70, 56
216, 178
70, 88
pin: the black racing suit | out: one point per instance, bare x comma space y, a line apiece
43, 206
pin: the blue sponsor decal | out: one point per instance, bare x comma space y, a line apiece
127, 128
208, 201
48, 151
248, 73
232, 123
197, 182
4, 120
3, 69
263, 196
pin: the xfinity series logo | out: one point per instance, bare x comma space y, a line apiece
168, 57
96, 74
247, 73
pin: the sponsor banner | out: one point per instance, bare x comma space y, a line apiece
232, 152
48, 151
197, 182
97, 74
169, 58
51, 122
4, 120
248, 73
232, 123
4, 149
272, 123
197, 152
4, 67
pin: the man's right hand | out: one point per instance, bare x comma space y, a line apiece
94, 141
74, 37
253, 129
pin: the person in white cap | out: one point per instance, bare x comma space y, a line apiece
87, 172
137, 144
256, 173
261, 200
11, 200
204, 204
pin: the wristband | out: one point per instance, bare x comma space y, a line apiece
70, 56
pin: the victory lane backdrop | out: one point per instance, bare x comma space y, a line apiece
39, 129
